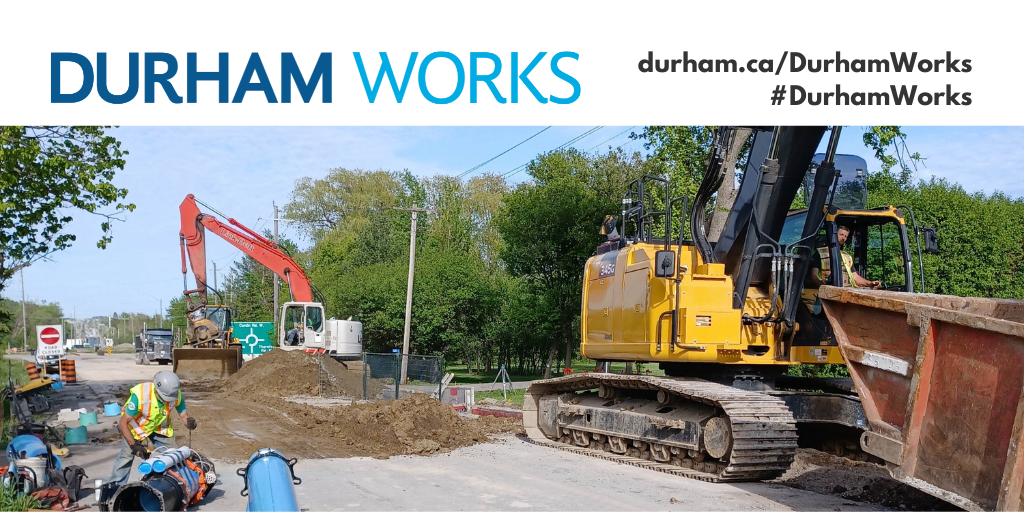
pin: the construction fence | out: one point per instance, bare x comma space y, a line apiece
379, 376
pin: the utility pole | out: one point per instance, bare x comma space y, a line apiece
161, 313
215, 278
277, 280
408, 290
24, 315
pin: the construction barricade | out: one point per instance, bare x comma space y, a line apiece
67, 371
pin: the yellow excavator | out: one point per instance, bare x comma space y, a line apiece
726, 320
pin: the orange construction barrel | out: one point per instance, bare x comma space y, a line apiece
33, 371
67, 370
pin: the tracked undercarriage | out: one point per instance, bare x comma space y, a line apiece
689, 427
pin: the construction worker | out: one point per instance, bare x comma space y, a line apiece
147, 415
823, 268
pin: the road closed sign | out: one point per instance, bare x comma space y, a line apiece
50, 340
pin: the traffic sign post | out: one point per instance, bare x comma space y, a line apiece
50, 340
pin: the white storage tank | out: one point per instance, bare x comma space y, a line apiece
346, 338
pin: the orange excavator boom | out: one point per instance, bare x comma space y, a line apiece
194, 225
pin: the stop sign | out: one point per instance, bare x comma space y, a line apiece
49, 335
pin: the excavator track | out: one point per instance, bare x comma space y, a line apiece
761, 430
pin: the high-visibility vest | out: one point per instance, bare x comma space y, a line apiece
826, 268
154, 413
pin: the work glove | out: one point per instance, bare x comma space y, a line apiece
190, 424
139, 450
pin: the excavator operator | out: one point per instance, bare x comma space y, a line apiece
821, 263
294, 335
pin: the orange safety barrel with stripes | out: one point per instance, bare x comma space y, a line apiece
153, 416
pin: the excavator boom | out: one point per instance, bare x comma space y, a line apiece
194, 225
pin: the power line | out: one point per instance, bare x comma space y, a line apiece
563, 146
613, 137
466, 173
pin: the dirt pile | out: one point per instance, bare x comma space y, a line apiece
414, 425
858, 481
248, 411
281, 373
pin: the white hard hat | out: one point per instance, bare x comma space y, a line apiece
167, 386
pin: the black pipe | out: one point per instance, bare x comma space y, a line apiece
159, 494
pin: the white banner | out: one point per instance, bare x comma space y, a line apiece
50, 340
534, 63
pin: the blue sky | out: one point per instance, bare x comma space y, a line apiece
242, 170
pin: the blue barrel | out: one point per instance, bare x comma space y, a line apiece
270, 482
77, 435
111, 409
88, 418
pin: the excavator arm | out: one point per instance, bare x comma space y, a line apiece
194, 225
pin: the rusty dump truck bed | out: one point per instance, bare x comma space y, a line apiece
942, 383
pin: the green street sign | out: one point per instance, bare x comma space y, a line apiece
255, 337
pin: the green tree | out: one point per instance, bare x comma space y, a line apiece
38, 313
46, 171
981, 238
550, 227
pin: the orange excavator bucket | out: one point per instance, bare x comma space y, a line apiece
941, 383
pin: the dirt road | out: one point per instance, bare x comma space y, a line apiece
507, 473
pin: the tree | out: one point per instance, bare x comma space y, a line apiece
550, 228
11, 326
46, 171
681, 152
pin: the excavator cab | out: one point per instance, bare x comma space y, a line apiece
302, 326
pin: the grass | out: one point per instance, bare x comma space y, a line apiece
462, 375
15, 368
515, 396
12, 500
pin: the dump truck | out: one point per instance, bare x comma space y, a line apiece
725, 320
210, 351
154, 345
942, 387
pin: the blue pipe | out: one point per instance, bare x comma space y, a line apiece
170, 458
269, 482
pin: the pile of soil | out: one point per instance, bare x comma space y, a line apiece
281, 373
413, 425
858, 481
233, 427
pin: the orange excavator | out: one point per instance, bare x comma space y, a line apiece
209, 350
